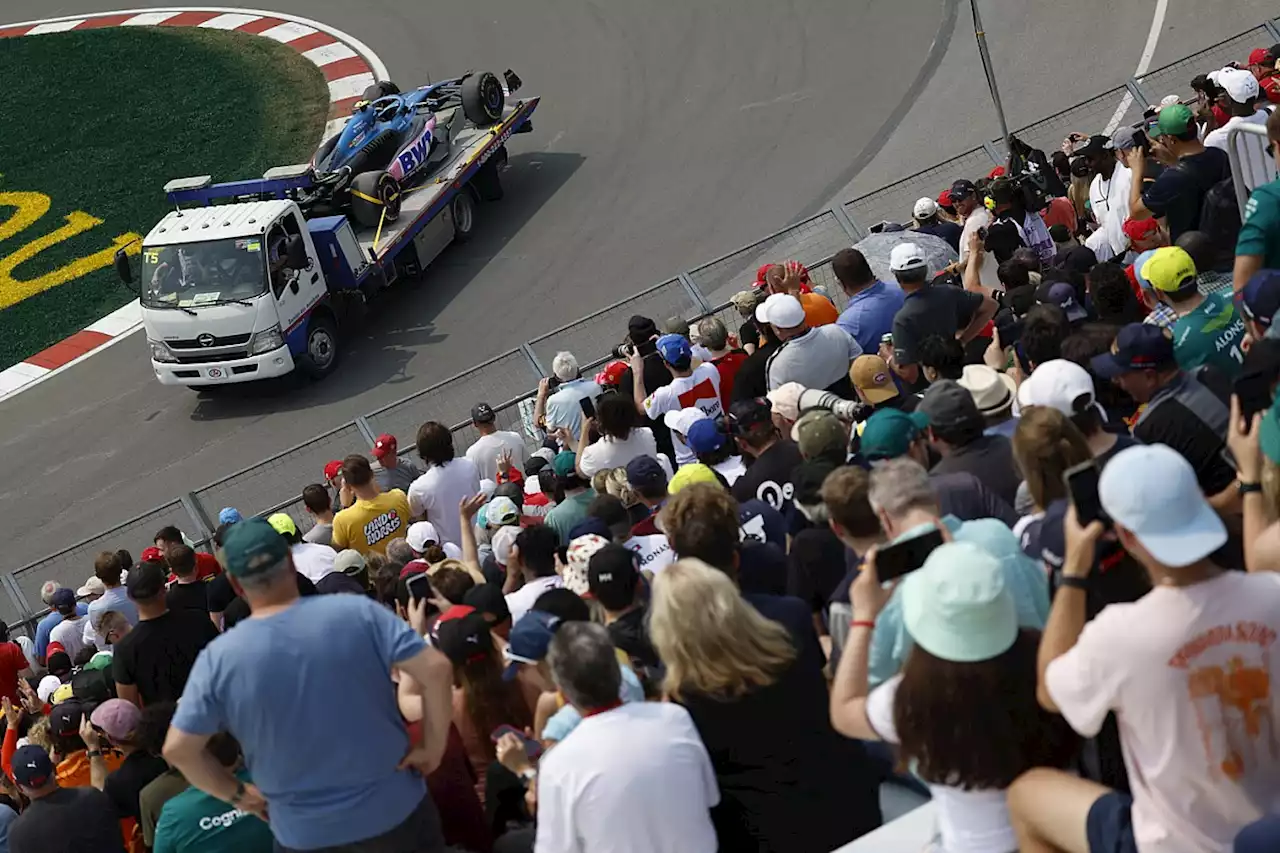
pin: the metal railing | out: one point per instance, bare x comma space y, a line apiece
273, 485
1251, 165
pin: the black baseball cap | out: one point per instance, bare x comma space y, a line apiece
147, 580
1095, 144
59, 664
645, 471
1138, 346
612, 577
949, 404
749, 413
488, 600
465, 639
482, 413
65, 719
1260, 298
32, 767
962, 189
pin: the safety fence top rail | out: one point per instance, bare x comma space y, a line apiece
273, 484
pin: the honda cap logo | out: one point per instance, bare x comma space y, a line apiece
205, 340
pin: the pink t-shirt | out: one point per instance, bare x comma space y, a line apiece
1188, 671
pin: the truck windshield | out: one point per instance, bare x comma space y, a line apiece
194, 274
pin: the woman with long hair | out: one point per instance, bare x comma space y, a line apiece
787, 781
963, 711
621, 437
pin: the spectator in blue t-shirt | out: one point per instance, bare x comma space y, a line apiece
50, 621
872, 303
283, 681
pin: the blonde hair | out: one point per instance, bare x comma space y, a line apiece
40, 734
712, 641
1045, 444
616, 484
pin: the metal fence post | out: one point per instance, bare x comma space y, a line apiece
1135, 89
704, 307
366, 431
1273, 29
993, 153
846, 222
195, 509
18, 597
534, 361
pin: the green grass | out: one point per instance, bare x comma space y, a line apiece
99, 120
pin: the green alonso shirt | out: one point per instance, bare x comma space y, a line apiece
1212, 334
1260, 231
194, 822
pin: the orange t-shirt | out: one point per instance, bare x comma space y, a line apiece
73, 771
818, 310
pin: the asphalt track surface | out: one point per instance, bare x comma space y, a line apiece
669, 133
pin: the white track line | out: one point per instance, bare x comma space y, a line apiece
287, 32
1144, 64
230, 21
149, 19
56, 27
326, 53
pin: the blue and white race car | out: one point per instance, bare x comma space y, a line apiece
395, 140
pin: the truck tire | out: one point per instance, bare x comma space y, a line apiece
372, 195
482, 98
323, 351
463, 208
488, 179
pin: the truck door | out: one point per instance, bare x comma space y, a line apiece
295, 291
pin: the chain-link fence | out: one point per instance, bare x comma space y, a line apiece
508, 381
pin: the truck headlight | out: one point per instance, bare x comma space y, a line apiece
160, 352
266, 340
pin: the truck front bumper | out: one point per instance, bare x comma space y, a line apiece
277, 362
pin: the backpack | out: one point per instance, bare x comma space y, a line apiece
1220, 217
92, 687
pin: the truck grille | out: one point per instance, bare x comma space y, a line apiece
194, 343
209, 358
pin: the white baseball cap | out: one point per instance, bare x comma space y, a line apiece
420, 533
906, 256
1151, 490
502, 543
782, 310
924, 208
1241, 85
681, 419
1059, 384
47, 687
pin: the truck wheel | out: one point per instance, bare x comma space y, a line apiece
463, 208
482, 98
372, 194
488, 179
321, 356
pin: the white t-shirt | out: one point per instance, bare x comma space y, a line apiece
522, 600
635, 779
731, 469
980, 218
484, 453
701, 389
609, 452
438, 492
1256, 166
1188, 671
70, 632
313, 561
968, 821
1109, 202
654, 551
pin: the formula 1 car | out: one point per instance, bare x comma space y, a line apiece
395, 140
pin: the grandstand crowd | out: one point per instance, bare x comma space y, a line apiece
1002, 531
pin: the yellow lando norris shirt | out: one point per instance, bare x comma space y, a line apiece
369, 525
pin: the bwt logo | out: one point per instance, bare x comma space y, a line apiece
413, 156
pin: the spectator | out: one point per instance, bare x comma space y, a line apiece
69, 633
752, 378
727, 360
1212, 275
635, 776
58, 819
814, 356
487, 449
649, 481
768, 476
868, 316
874, 384
489, 602
152, 662
621, 438
1180, 411
234, 680
690, 387
1108, 196
736, 673
745, 301
1178, 193
350, 575
194, 820
206, 564
1242, 105
316, 499
1043, 330
820, 435
109, 568
1262, 66
152, 727
426, 544
1045, 445
188, 593
713, 448
614, 580
47, 623
532, 558
1155, 663
1207, 329
963, 710
956, 431
1063, 295
1068, 387
929, 310
393, 473
793, 279
1258, 246
559, 397
993, 393
925, 213
115, 724
973, 212
577, 496
1114, 299
375, 517
816, 558
1259, 304
942, 358
315, 562
1010, 205
448, 480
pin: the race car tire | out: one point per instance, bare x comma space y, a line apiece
372, 194
463, 208
323, 351
482, 98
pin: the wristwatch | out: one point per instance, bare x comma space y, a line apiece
94, 753
1073, 581
1244, 488
528, 774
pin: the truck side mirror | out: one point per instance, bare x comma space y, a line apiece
123, 270
296, 253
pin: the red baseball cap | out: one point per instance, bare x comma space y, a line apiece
944, 199
1136, 229
997, 172
386, 444
760, 282
1260, 56
152, 555
612, 374
332, 468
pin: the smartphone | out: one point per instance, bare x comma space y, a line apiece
647, 348
588, 407
531, 747
1082, 483
1254, 393
419, 587
903, 558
